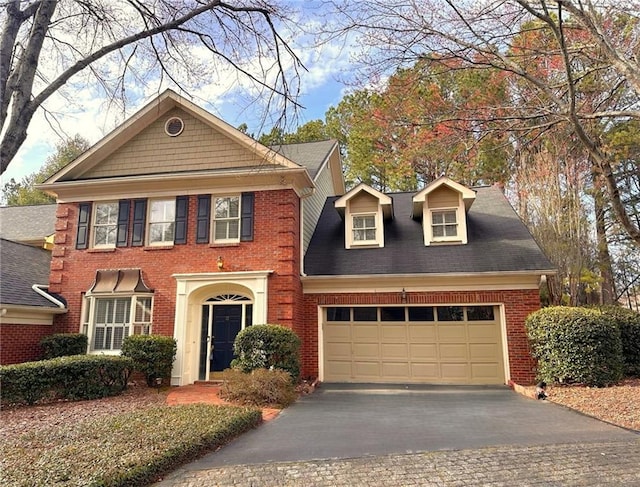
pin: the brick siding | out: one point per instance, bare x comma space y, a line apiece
21, 343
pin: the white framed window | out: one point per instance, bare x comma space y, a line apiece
364, 229
107, 321
444, 224
105, 224
226, 219
162, 215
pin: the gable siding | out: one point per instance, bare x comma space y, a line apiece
363, 203
312, 206
198, 147
442, 198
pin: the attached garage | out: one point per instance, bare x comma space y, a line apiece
413, 344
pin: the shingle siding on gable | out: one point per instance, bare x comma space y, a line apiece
443, 197
199, 147
363, 203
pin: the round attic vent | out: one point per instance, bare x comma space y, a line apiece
174, 126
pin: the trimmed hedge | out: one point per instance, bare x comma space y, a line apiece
629, 323
75, 377
63, 345
266, 347
153, 355
575, 345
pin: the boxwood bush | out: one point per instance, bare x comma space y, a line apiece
629, 323
266, 347
74, 377
63, 345
153, 355
575, 345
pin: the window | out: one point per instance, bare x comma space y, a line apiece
444, 224
162, 214
364, 228
108, 321
226, 219
105, 224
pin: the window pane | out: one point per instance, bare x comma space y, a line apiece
234, 226
451, 230
358, 222
480, 313
370, 234
395, 313
234, 207
338, 314
437, 218
450, 313
143, 309
222, 208
438, 231
421, 313
220, 232
450, 217
365, 314
107, 213
370, 221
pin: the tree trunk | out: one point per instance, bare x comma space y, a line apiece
608, 290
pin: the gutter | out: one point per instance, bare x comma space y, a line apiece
39, 288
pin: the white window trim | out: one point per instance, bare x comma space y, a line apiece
87, 327
94, 225
161, 243
351, 242
213, 219
461, 221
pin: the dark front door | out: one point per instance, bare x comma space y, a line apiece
227, 322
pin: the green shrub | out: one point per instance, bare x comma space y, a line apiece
575, 345
629, 323
75, 377
63, 345
260, 387
153, 355
266, 347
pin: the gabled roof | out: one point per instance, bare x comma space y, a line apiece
498, 242
468, 195
311, 155
22, 267
385, 201
27, 224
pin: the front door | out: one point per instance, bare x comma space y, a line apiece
219, 327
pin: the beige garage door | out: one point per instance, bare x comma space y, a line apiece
425, 344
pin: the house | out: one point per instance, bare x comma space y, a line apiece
178, 224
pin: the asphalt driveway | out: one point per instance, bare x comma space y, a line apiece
343, 421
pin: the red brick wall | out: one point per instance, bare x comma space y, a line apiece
518, 304
21, 343
276, 246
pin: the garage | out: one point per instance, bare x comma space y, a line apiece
413, 344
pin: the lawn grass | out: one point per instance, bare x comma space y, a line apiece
128, 449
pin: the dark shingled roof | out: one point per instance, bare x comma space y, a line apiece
27, 223
23, 266
308, 154
498, 241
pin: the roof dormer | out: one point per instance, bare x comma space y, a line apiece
364, 210
442, 205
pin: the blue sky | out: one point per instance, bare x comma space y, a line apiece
87, 112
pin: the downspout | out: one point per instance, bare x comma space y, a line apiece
39, 289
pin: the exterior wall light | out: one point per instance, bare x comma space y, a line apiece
220, 263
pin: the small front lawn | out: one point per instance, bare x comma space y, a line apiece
119, 446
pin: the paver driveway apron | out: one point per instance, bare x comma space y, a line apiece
344, 421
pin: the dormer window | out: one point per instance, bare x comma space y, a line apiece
364, 211
364, 229
444, 224
442, 206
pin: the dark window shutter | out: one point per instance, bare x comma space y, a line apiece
123, 223
84, 220
139, 221
246, 220
203, 219
182, 212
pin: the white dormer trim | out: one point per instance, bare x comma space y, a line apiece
383, 210
422, 210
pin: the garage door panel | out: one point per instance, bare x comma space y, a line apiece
453, 351
483, 352
422, 332
366, 369
423, 351
395, 370
454, 371
399, 351
337, 332
425, 371
367, 332
484, 371
366, 351
335, 351
339, 370
483, 331
394, 333
449, 332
